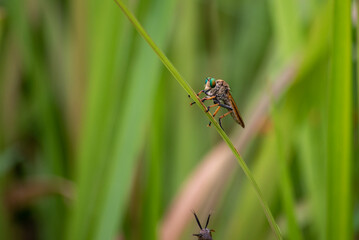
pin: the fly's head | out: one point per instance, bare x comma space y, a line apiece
204, 233
209, 83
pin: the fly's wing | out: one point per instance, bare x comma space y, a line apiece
235, 114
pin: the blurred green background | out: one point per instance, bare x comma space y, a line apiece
98, 141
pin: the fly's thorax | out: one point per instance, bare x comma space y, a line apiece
212, 92
221, 91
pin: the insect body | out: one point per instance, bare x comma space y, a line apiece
219, 92
204, 234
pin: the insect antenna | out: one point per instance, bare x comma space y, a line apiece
208, 220
199, 224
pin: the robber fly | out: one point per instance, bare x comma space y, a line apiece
219, 92
204, 234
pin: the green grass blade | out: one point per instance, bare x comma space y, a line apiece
186, 151
46, 113
154, 165
287, 191
287, 26
246, 215
311, 163
339, 151
190, 91
130, 128
96, 141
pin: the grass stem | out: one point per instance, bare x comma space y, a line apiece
193, 95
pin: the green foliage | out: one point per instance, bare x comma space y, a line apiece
221, 132
340, 129
97, 141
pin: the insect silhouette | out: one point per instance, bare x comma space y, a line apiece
219, 91
204, 234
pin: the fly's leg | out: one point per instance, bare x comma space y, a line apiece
214, 114
198, 93
220, 118
214, 105
204, 99
226, 106
197, 96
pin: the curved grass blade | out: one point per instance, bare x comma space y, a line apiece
193, 95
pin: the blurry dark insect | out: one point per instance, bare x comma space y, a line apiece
204, 234
219, 92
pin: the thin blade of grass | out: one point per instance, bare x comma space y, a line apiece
312, 162
287, 26
154, 166
287, 191
339, 137
193, 95
130, 128
95, 141
356, 125
246, 216
46, 113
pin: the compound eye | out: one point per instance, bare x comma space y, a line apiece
206, 80
212, 82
